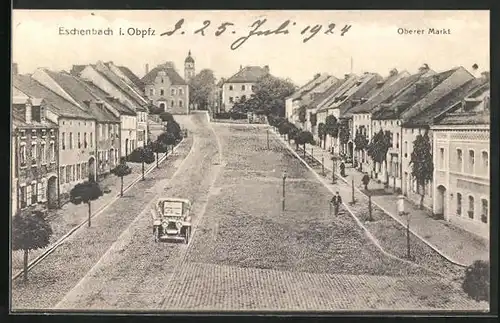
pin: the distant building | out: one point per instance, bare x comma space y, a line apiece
34, 155
241, 85
461, 150
189, 68
166, 89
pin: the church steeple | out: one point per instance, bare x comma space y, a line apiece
189, 69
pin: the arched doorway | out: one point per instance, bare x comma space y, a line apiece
350, 149
52, 192
440, 207
91, 170
162, 106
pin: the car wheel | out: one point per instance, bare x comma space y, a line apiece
156, 234
188, 234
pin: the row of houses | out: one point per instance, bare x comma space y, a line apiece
451, 106
68, 127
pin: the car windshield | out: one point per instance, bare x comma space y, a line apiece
173, 208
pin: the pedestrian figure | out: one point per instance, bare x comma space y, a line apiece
336, 201
342, 169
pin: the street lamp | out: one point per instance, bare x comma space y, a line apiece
334, 165
283, 199
401, 211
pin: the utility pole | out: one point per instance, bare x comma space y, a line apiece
370, 218
352, 186
283, 200
267, 133
323, 165
333, 165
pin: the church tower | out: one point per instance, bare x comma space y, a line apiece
189, 70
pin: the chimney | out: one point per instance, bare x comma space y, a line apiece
241, 67
393, 72
346, 76
14, 69
266, 68
475, 70
147, 69
28, 112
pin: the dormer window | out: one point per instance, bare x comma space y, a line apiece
23, 134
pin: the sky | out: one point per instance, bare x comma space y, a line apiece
373, 42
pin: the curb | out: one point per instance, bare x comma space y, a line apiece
61, 240
430, 245
360, 224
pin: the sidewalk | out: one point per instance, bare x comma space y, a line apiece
456, 244
69, 215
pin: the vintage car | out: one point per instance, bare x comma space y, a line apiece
171, 220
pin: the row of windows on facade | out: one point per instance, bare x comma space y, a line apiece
71, 173
46, 155
105, 131
172, 104
232, 100
162, 92
243, 88
471, 161
33, 193
471, 208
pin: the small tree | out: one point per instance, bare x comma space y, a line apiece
168, 139
344, 134
85, 192
302, 114
332, 126
293, 132
360, 143
379, 146
166, 117
158, 147
476, 283
174, 128
303, 138
322, 134
365, 180
121, 170
422, 164
30, 231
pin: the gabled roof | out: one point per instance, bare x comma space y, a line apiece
320, 97
115, 103
80, 93
319, 87
349, 82
121, 85
426, 117
55, 103
393, 107
170, 72
132, 77
308, 86
249, 74
19, 118
466, 118
77, 69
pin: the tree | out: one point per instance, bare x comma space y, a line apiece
284, 128
422, 164
30, 231
270, 94
378, 147
166, 117
360, 141
174, 128
85, 192
121, 170
158, 147
344, 133
202, 88
302, 114
332, 126
168, 139
476, 283
322, 133
303, 138
293, 132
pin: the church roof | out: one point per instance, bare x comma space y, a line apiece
189, 59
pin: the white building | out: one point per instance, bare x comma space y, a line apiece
241, 85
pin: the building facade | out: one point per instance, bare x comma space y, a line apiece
189, 68
34, 156
241, 85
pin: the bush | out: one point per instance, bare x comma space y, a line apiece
223, 115
166, 116
476, 283
237, 115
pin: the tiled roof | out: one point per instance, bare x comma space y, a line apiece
318, 89
426, 117
116, 80
171, 73
320, 97
393, 107
131, 76
471, 118
249, 74
120, 107
77, 69
79, 91
385, 93
19, 120
308, 86
349, 82
55, 103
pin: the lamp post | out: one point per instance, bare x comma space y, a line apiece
402, 212
267, 133
283, 199
334, 165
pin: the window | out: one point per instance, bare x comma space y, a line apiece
243, 88
78, 171
162, 92
33, 153
91, 140
172, 91
484, 211
459, 160
68, 173
397, 140
34, 196
79, 141
484, 161
172, 103
471, 161
180, 91
84, 170
28, 195
441, 157
85, 140
41, 190
405, 149
162, 80
43, 153
70, 140
471, 207
52, 151
230, 87
459, 204
231, 99
73, 175
62, 174
22, 155
63, 141
253, 87
180, 103
23, 196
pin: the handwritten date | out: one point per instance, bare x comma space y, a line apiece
258, 29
